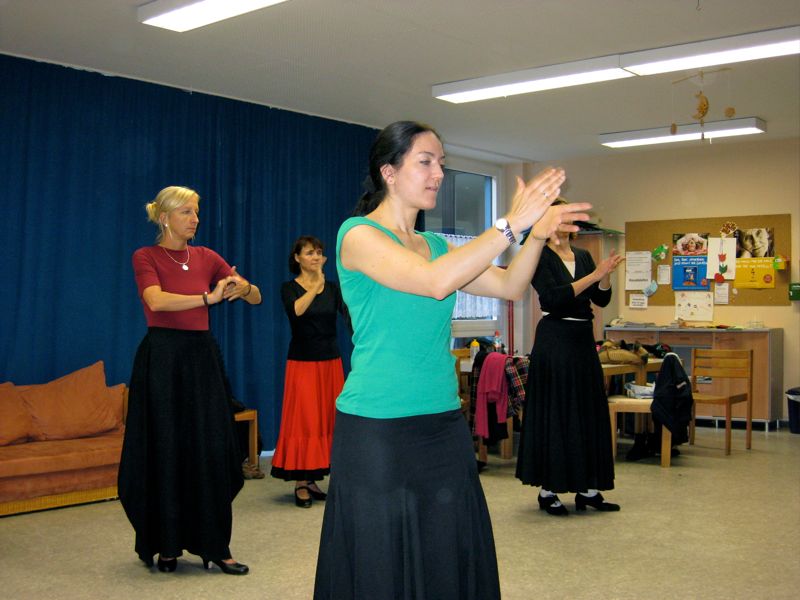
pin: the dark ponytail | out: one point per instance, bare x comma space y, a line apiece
389, 148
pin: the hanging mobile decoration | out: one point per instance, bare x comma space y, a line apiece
730, 111
703, 105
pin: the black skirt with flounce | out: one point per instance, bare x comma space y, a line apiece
180, 466
565, 444
405, 516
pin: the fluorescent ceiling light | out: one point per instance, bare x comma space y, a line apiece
183, 15
531, 80
662, 135
709, 53
737, 48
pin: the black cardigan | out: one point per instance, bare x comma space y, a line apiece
553, 282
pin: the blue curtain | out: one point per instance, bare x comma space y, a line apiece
80, 155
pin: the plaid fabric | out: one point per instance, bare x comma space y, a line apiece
517, 375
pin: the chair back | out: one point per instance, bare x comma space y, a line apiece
728, 364
735, 364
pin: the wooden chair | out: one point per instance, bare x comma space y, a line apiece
724, 365
250, 414
623, 404
464, 382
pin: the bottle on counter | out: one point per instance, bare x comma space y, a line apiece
474, 348
497, 343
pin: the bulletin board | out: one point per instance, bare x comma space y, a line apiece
647, 235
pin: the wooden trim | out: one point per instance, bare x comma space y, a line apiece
57, 500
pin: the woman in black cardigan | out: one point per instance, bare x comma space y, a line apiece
565, 444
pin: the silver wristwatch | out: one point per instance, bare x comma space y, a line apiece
502, 225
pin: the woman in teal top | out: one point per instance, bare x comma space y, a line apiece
405, 515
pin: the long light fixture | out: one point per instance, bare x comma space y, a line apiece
709, 53
695, 55
531, 80
183, 15
664, 135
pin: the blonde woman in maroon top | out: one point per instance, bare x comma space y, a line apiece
180, 468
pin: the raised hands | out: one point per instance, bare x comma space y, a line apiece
560, 218
531, 200
607, 266
317, 277
235, 286
531, 207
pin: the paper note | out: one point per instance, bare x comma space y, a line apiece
694, 306
721, 293
637, 301
637, 270
664, 275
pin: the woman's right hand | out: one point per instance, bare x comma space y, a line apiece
318, 277
219, 290
531, 200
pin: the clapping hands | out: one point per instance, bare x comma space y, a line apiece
234, 286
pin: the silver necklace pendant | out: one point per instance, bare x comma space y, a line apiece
185, 267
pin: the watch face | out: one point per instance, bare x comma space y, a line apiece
501, 224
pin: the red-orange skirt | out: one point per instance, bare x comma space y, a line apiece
303, 451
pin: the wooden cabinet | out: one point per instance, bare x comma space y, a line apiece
767, 347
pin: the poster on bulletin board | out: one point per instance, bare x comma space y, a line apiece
755, 273
689, 261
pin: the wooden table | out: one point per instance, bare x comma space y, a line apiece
639, 371
640, 407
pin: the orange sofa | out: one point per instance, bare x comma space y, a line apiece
60, 442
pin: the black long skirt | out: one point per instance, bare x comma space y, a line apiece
405, 516
180, 468
565, 445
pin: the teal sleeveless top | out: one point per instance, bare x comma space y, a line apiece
401, 364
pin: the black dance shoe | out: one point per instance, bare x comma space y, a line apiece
302, 502
316, 494
642, 448
597, 502
233, 568
167, 566
546, 503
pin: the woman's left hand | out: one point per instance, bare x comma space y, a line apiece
237, 286
607, 266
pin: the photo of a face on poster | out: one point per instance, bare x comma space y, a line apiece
689, 244
755, 243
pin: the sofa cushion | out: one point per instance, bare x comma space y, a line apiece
75, 405
16, 424
61, 455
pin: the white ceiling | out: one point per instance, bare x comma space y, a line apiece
373, 62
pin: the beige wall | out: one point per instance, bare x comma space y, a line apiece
708, 180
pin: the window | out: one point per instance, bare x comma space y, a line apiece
464, 210
464, 204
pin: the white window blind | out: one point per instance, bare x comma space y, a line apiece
467, 305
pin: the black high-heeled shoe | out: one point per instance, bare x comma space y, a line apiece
233, 568
167, 566
302, 502
597, 502
316, 494
546, 504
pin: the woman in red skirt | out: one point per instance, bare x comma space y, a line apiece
314, 375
